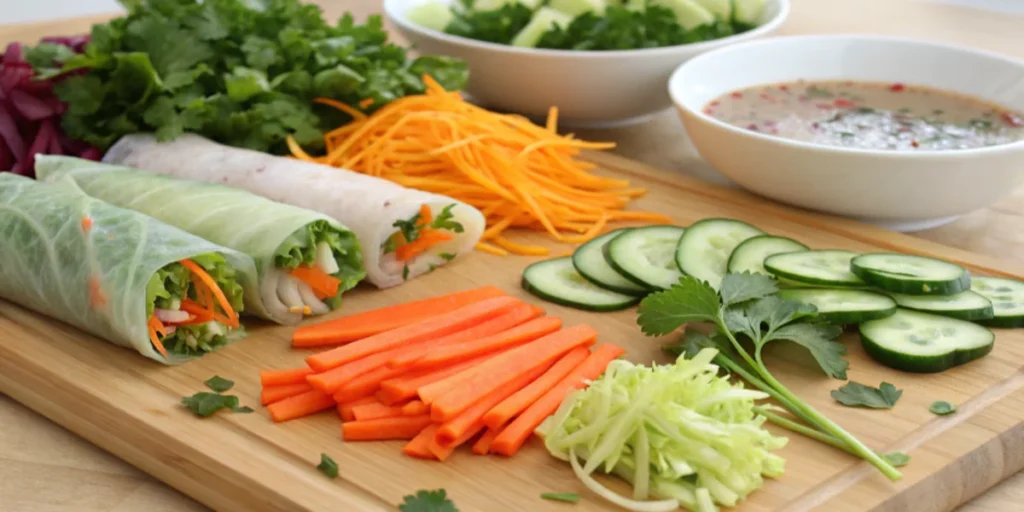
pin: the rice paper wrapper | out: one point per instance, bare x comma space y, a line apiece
94, 279
226, 216
369, 206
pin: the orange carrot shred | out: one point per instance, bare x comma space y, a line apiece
86, 224
156, 329
346, 409
211, 286
323, 284
281, 377
483, 445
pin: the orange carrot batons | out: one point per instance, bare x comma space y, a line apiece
271, 394
399, 427
520, 400
282, 377
297, 406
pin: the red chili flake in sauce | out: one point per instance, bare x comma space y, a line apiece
1012, 119
844, 103
737, 95
752, 127
897, 87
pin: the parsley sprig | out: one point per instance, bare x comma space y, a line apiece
747, 306
428, 501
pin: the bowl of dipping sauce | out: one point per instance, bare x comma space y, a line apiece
591, 88
903, 133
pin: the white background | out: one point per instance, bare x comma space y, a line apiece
39, 10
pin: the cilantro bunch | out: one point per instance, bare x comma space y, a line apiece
242, 72
747, 308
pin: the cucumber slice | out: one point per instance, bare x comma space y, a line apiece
433, 15
844, 307
704, 249
965, 306
924, 343
750, 254
557, 281
1007, 296
576, 7
646, 256
688, 13
543, 20
749, 12
493, 5
915, 275
590, 263
722, 9
822, 267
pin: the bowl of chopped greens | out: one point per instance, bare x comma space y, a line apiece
600, 62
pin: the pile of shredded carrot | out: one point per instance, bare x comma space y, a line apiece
517, 173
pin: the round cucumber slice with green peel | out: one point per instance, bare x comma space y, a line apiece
590, 263
750, 254
703, 251
844, 307
822, 267
918, 342
914, 275
1007, 296
646, 256
558, 281
968, 305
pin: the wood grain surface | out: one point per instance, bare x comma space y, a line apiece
46, 468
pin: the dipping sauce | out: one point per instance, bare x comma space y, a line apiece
869, 115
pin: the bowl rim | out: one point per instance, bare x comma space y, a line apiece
676, 96
768, 27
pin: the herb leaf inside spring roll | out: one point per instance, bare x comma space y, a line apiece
304, 260
116, 273
402, 232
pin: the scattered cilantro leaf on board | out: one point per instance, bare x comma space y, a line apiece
747, 308
327, 466
219, 384
568, 497
855, 394
942, 408
897, 459
206, 404
428, 501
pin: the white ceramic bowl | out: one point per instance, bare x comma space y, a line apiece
591, 89
902, 190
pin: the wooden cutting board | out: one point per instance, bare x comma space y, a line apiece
129, 405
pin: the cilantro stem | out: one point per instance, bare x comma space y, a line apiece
828, 426
804, 430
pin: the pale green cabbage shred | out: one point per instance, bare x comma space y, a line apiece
680, 432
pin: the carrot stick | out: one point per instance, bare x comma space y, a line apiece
273, 394
334, 379
211, 285
297, 406
512, 437
501, 323
516, 336
443, 451
281, 377
400, 427
522, 399
375, 410
415, 408
432, 328
507, 367
362, 325
419, 447
483, 445
436, 381
345, 409
466, 420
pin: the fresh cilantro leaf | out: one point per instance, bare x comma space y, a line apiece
942, 408
447, 256
819, 339
897, 459
738, 288
428, 501
568, 497
245, 409
219, 384
690, 300
410, 228
244, 83
405, 273
494, 26
693, 342
444, 220
855, 394
327, 466
205, 404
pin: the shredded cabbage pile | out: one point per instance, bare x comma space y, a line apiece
678, 432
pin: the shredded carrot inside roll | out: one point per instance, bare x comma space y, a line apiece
518, 174
205, 281
323, 284
156, 330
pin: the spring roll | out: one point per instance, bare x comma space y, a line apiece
120, 275
402, 232
304, 260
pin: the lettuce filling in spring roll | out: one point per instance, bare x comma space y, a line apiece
304, 260
402, 232
116, 273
